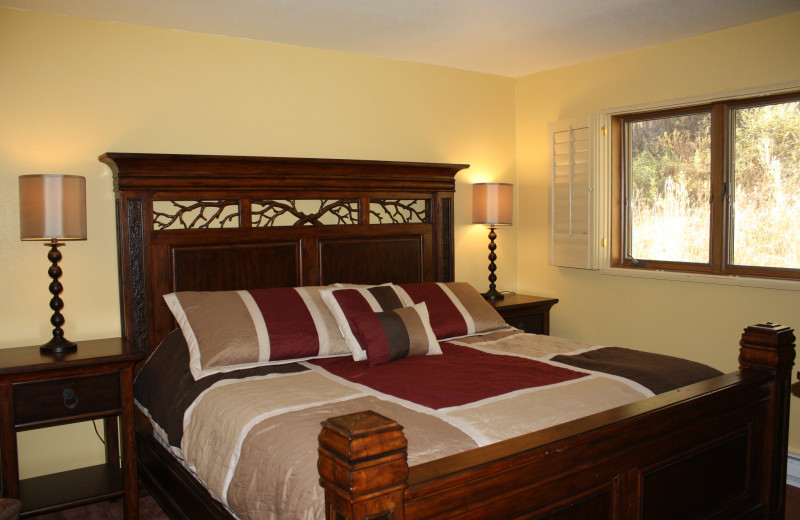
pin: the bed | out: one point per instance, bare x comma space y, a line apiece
216, 224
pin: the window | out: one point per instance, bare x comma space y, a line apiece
712, 189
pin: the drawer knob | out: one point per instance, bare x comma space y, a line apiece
70, 399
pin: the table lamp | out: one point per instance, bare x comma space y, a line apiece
492, 205
53, 208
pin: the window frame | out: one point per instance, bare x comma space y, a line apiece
721, 233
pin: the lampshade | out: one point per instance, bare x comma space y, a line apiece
492, 203
52, 207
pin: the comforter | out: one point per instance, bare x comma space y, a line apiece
251, 435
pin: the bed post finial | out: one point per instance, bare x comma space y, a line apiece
363, 467
769, 346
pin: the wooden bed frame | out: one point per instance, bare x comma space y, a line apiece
716, 449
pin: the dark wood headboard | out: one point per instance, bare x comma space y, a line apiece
198, 222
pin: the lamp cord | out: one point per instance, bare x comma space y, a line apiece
94, 423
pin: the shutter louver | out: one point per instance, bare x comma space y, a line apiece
572, 201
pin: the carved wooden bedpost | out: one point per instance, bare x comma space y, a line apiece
771, 347
363, 467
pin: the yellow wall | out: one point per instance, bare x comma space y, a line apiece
697, 321
72, 89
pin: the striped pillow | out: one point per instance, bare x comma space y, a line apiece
391, 335
348, 306
455, 308
230, 330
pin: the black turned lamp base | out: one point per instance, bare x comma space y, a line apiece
492, 295
58, 346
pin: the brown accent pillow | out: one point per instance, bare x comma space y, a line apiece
390, 335
348, 304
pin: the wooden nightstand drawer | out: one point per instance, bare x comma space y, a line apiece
55, 399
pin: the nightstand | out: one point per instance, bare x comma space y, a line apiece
528, 313
40, 390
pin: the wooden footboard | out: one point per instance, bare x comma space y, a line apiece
716, 449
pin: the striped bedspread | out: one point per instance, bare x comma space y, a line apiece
251, 435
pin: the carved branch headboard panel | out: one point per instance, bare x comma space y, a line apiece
195, 222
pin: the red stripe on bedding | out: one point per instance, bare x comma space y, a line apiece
351, 302
446, 320
462, 375
291, 329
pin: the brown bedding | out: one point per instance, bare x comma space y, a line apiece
251, 434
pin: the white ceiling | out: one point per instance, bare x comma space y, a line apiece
505, 37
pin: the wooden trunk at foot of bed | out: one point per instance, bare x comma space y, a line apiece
716, 449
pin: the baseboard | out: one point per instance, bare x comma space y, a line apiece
793, 470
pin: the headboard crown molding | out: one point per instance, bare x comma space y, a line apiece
146, 171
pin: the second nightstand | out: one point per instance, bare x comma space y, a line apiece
39, 390
528, 313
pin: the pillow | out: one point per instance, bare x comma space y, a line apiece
345, 304
230, 330
455, 308
391, 335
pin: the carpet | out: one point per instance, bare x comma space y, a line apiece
148, 510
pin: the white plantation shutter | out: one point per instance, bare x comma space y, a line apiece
573, 194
